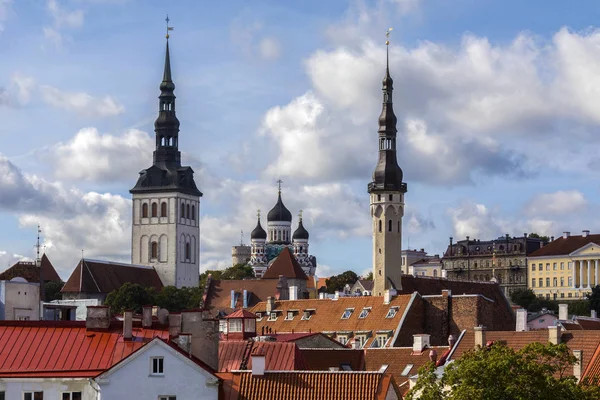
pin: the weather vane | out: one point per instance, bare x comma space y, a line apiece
169, 28
387, 36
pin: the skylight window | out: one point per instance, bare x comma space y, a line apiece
364, 313
289, 316
406, 370
347, 313
306, 316
392, 312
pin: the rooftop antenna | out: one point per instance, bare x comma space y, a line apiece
82, 254
241, 238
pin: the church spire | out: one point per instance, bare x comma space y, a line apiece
166, 125
387, 175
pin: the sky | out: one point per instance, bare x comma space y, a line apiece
498, 107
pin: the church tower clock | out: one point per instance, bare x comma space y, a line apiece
166, 201
387, 198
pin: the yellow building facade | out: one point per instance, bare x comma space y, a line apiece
566, 268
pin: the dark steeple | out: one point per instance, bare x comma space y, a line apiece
301, 232
387, 175
258, 232
279, 212
166, 173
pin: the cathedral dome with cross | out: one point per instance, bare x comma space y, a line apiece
266, 245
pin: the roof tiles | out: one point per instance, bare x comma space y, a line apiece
562, 246
285, 264
29, 271
279, 356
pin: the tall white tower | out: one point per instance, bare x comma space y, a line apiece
166, 202
387, 199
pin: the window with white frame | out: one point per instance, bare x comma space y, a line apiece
289, 316
380, 341
343, 339
306, 315
361, 340
392, 312
363, 313
347, 313
223, 326
235, 325
33, 395
157, 366
272, 316
71, 396
259, 316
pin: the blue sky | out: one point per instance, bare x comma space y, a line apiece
497, 106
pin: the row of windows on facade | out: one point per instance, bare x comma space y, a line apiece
555, 281
389, 226
306, 315
540, 266
562, 295
39, 395
465, 250
279, 236
185, 211
154, 254
511, 278
390, 197
484, 264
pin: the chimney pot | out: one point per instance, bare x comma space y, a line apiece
387, 296
521, 325
433, 355
585, 233
566, 234
479, 336
98, 317
270, 304
577, 366
174, 324
594, 314
127, 324
420, 342
451, 340
554, 334
563, 312
146, 316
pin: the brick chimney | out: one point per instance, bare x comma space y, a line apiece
146, 316
577, 366
554, 334
98, 317
563, 312
270, 304
127, 324
521, 325
479, 332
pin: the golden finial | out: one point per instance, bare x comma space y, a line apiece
169, 28
300, 214
387, 35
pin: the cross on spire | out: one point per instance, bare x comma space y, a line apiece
258, 213
169, 28
279, 182
300, 214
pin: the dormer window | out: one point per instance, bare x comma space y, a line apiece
364, 313
289, 316
347, 313
306, 315
392, 312
259, 316
272, 316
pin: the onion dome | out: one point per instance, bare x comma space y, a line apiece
279, 212
300, 233
258, 232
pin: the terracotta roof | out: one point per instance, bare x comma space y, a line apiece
279, 356
321, 283
29, 271
323, 359
326, 315
562, 246
218, 294
59, 349
367, 284
398, 359
588, 324
587, 341
241, 314
592, 372
295, 337
93, 276
285, 264
571, 326
303, 385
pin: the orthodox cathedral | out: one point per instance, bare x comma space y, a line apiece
266, 245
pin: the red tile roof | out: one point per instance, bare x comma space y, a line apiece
59, 349
92, 276
588, 324
241, 314
279, 356
326, 315
217, 297
323, 359
562, 246
285, 264
29, 271
303, 385
592, 372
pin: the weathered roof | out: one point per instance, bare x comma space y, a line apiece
279, 356
217, 297
241, 314
64, 348
29, 271
305, 385
326, 315
398, 360
93, 276
323, 359
592, 372
367, 284
562, 246
588, 324
285, 264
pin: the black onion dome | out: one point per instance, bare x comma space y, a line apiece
300, 233
258, 232
279, 212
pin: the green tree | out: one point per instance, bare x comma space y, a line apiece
337, 282
52, 290
130, 296
238, 271
523, 297
369, 276
536, 236
500, 373
594, 299
176, 300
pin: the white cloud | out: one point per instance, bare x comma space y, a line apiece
5, 8
248, 36
81, 102
18, 92
563, 202
61, 19
115, 158
269, 48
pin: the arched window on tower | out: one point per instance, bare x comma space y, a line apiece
163, 209
145, 210
380, 226
154, 209
188, 211
154, 250
187, 251
193, 212
182, 210
390, 225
